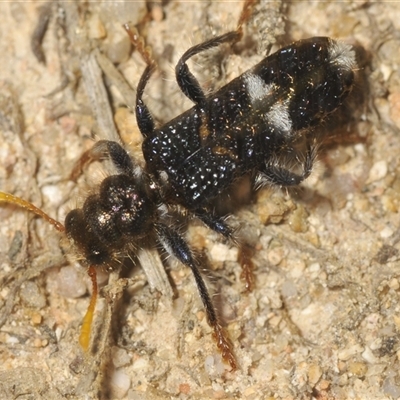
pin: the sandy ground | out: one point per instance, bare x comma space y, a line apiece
323, 319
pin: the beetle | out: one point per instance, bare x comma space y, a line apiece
251, 125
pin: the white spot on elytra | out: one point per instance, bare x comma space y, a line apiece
257, 89
278, 114
279, 117
342, 54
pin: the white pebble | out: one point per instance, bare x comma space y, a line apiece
120, 357
386, 232
70, 283
378, 171
221, 252
120, 384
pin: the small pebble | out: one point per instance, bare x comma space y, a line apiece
378, 171
358, 369
314, 374
31, 295
120, 384
70, 283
